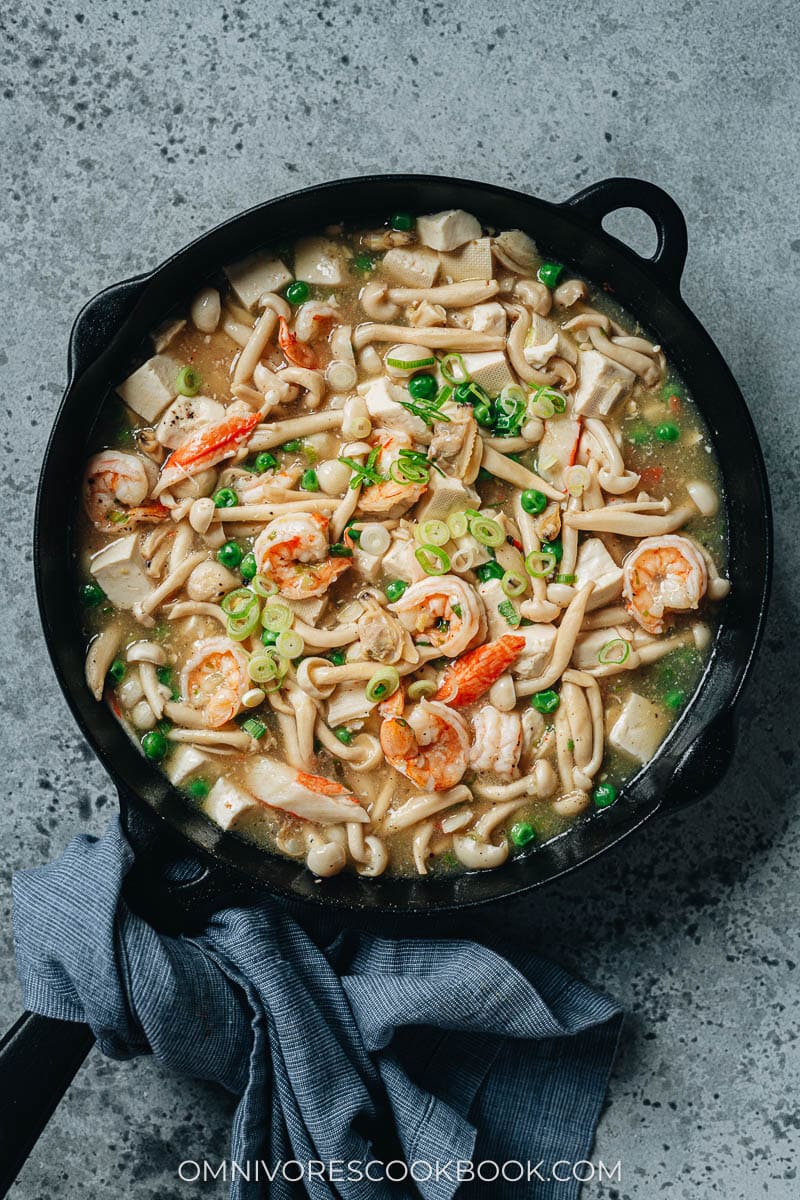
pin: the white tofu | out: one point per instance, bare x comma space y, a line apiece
348, 703
493, 596
444, 496
555, 448
412, 266
151, 387
541, 340
539, 642
120, 571
185, 415
308, 610
601, 383
595, 563
589, 645
320, 260
489, 318
228, 805
167, 333
448, 230
383, 405
490, 369
639, 729
368, 566
471, 261
254, 276
183, 762
400, 561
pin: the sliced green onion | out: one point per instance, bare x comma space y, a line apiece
117, 670
421, 688
364, 473
434, 533
339, 550
375, 539
432, 559
446, 367
513, 583
549, 273
238, 628
382, 684
417, 365
254, 727
489, 570
267, 667
458, 524
509, 613
615, 652
567, 579
486, 531
406, 471
277, 616
239, 602
290, 644
264, 587
545, 702
540, 564
187, 381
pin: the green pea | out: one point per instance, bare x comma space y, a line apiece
268, 638
667, 432
225, 498
489, 570
604, 795
522, 833
402, 221
533, 501
92, 595
199, 788
483, 414
545, 702
154, 745
344, 735
248, 566
230, 555
640, 435
675, 699
422, 387
265, 462
363, 263
291, 447
297, 292
394, 589
549, 273
117, 670
309, 481
553, 547
337, 658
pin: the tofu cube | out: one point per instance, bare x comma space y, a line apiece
166, 333
448, 230
348, 703
229, 806
411, 267
489, 318
444, 496
639, 729
183, 762
490, 369
539, 642
368, 566
595, 563
493, 596
400, 561
471, 261
309, 610
383, 406
320, 260
541, 341
556, 448
255, 275
151, 387
601, 383
120, 571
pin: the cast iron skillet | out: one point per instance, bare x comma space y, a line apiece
113, 327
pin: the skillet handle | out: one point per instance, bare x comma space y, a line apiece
703, 766
39, 1058
100, 320
600, 199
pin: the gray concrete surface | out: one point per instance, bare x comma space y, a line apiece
125, 132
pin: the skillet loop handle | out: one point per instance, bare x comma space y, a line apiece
703, 766
600, 199
38, 1061
99, 321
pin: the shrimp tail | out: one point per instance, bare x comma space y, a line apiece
470, 676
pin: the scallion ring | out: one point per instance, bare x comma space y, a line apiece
263, 586
403, 364
374, 539
188, 381
446, 367
458, 524
540, 564
239, 602
421, 688
406, 471
382, 684
240, 627
462, 559
432, 533
432, 559
268, 667
289, 644
277, 616
486, 531
513, 583
614, 653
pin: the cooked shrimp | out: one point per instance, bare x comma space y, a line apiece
443, 612
314, 318
497, 740
430, 746
663, 574
473, 674
295, 350
390, 498
293, 551
114, 488
215, 679
205, 448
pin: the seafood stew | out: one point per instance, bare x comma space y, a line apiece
401, 551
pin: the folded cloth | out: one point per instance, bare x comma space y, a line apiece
396, 1055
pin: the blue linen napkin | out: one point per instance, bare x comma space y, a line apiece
362, 1050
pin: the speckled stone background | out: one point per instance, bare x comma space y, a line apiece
128, 130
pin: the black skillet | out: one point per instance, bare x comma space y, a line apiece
39, 1057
